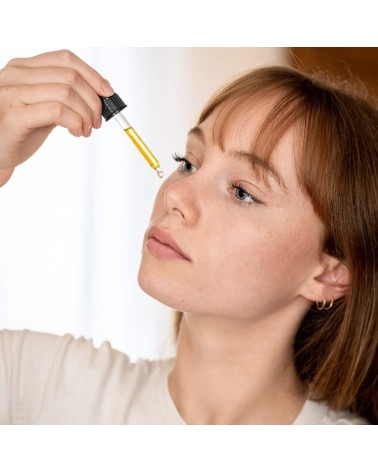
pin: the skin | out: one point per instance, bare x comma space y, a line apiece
255, 268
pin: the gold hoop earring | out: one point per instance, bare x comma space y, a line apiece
323, 305
326, 308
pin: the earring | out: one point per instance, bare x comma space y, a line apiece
323, 305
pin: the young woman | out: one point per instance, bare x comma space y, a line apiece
265, 239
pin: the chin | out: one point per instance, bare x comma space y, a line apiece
165, 293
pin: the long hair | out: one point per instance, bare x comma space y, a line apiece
337, 131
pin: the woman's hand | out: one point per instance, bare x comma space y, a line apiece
41, 92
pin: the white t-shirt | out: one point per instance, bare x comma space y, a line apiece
49, 379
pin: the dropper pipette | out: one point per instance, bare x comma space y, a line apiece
112, 107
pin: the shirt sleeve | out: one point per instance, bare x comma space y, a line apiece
55, 379
26, 372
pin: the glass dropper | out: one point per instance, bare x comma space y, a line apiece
112, 107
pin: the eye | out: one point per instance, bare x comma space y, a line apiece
243, 196
239, 193
185, 167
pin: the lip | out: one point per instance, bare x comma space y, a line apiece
162, 244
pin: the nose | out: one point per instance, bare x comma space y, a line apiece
180, 200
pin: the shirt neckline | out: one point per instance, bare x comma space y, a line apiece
311, 413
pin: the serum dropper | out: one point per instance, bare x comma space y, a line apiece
112, 107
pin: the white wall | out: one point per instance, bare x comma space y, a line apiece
72, 218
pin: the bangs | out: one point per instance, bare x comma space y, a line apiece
285, 110
281, 116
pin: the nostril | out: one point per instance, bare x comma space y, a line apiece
175, 209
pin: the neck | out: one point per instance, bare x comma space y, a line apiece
236, 371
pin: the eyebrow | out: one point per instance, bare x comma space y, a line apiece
252, 158
197, 131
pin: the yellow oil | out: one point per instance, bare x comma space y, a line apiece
144, 150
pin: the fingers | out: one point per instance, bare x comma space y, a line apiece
45, 114
90, 115
59, 76
69, 60
67, 84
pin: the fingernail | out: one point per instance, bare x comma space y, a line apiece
107, 88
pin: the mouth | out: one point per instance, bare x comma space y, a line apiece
161, 244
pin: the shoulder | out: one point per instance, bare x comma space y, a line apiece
52, 379
70, 356
319, 413
55, 348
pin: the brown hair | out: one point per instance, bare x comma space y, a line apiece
336, 352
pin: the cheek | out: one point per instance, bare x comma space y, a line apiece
259, 258
233, 257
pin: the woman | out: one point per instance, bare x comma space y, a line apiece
265, 238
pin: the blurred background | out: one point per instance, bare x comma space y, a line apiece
73, 217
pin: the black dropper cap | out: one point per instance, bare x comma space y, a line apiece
111, 106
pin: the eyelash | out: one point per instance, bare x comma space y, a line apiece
233, 186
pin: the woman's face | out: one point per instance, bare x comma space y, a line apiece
250, 248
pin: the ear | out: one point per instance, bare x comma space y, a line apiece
330, 282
